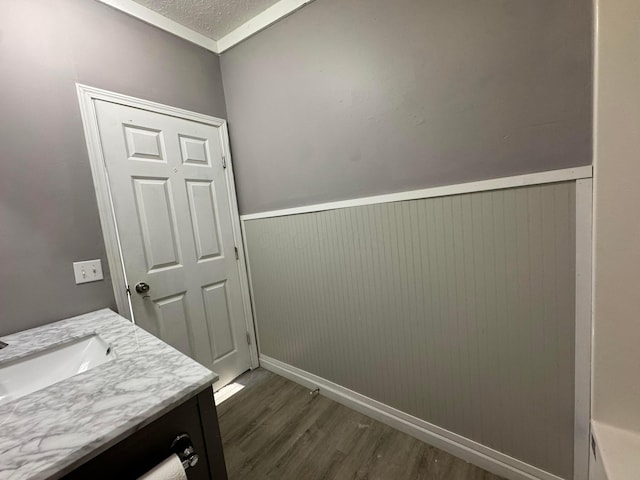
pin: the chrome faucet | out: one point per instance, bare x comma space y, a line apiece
2, 344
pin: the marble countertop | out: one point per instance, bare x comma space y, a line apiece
48, 433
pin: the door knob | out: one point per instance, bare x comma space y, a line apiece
142, 287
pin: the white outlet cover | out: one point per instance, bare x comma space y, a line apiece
88, 271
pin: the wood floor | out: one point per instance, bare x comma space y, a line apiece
274, 429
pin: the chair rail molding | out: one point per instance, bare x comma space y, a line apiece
550, 176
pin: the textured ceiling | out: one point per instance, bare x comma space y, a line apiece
211, 18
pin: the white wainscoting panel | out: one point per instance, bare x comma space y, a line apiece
456, 310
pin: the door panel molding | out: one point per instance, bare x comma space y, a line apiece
87, 96
165, 219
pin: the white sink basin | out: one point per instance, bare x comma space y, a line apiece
29, 374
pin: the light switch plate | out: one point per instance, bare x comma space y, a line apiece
88, 271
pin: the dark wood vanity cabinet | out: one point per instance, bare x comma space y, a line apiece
142, 450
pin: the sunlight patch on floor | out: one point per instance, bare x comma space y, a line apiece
227, 392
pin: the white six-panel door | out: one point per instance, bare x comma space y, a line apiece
171, 205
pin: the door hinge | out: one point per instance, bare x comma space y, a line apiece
224, 161
237, 256
248, 338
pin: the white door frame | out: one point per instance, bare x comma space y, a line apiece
86, 97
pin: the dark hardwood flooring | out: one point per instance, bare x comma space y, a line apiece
275, 430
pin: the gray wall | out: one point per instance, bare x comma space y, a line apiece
349, 98
48, 212
457, 310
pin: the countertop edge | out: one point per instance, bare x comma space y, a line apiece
59, 470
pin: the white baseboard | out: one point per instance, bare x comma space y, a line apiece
461, 447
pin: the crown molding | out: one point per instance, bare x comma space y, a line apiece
259, 22
154, 18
